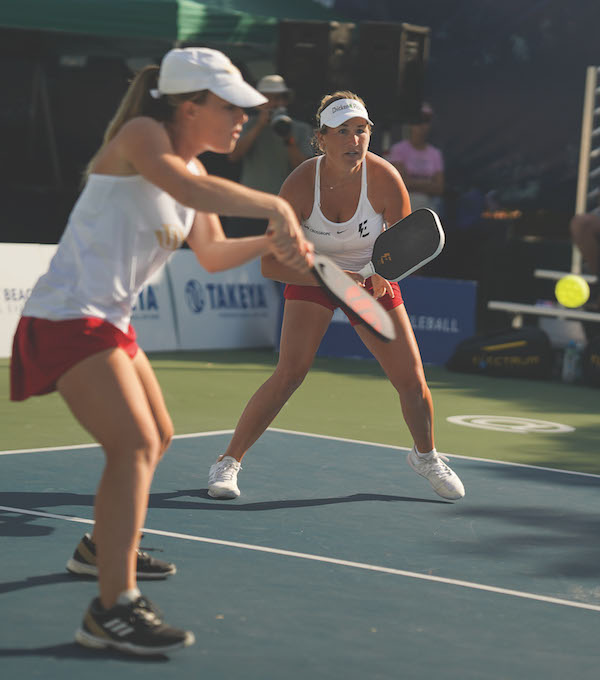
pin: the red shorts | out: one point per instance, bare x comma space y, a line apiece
321, 297
44, 350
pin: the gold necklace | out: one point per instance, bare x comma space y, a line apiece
340, 184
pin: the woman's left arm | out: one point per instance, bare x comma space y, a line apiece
391, 197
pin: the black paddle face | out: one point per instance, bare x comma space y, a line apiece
408, 245
350, 296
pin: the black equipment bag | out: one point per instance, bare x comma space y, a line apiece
518, 353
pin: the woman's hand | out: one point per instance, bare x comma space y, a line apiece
287, 242
356, 277
381, 286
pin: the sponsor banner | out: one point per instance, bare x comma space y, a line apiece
152, 315
442, 314
441, 311
21, 265
233, 309
182, 307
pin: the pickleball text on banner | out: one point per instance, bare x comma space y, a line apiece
441, 312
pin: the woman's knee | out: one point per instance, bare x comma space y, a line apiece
138, 447
290, 377
412, 385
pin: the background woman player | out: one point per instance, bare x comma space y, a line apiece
343, 199
145, 194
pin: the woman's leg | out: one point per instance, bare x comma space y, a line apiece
156, 400
304, 325
107, 394
401, 362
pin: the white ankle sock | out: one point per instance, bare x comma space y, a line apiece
425, 455
128, 596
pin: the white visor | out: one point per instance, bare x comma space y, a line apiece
342, 110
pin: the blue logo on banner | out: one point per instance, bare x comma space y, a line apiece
225, 296
147, 301
236, 296
194, 296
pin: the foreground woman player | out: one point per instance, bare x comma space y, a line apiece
145, 194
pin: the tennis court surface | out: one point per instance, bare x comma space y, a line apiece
337, 561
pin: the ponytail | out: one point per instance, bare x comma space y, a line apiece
138, 101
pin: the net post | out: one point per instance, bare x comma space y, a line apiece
585, 149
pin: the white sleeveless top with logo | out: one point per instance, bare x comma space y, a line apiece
349, 244
120, 232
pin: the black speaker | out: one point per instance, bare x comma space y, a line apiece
314, 58
392, 58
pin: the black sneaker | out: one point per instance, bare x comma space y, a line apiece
135, 628
83, 562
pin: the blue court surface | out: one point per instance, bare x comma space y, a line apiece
337, 561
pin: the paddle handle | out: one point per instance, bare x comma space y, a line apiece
367, 270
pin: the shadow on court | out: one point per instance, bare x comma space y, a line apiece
35, 582
166, 501
22, 525
12, 524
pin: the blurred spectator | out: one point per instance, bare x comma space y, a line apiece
420, 164
271, 146
585, 234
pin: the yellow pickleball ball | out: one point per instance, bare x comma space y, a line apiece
572, 291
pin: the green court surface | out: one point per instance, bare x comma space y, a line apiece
207, 391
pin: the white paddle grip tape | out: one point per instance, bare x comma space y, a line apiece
367, 270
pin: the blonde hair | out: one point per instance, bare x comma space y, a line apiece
325, 102
138, 101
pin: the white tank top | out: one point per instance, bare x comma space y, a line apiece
120, 232
349, 244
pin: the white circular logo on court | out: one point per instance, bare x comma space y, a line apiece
510, 424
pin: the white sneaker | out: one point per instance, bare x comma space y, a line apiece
222, 478
445, 483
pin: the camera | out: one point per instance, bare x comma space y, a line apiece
281, 122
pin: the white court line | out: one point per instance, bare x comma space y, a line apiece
320, 436
451, 455
332, 560
92, 446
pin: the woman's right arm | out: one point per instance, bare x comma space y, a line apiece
272, 268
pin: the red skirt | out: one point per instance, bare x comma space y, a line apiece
321, 297
44, 350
